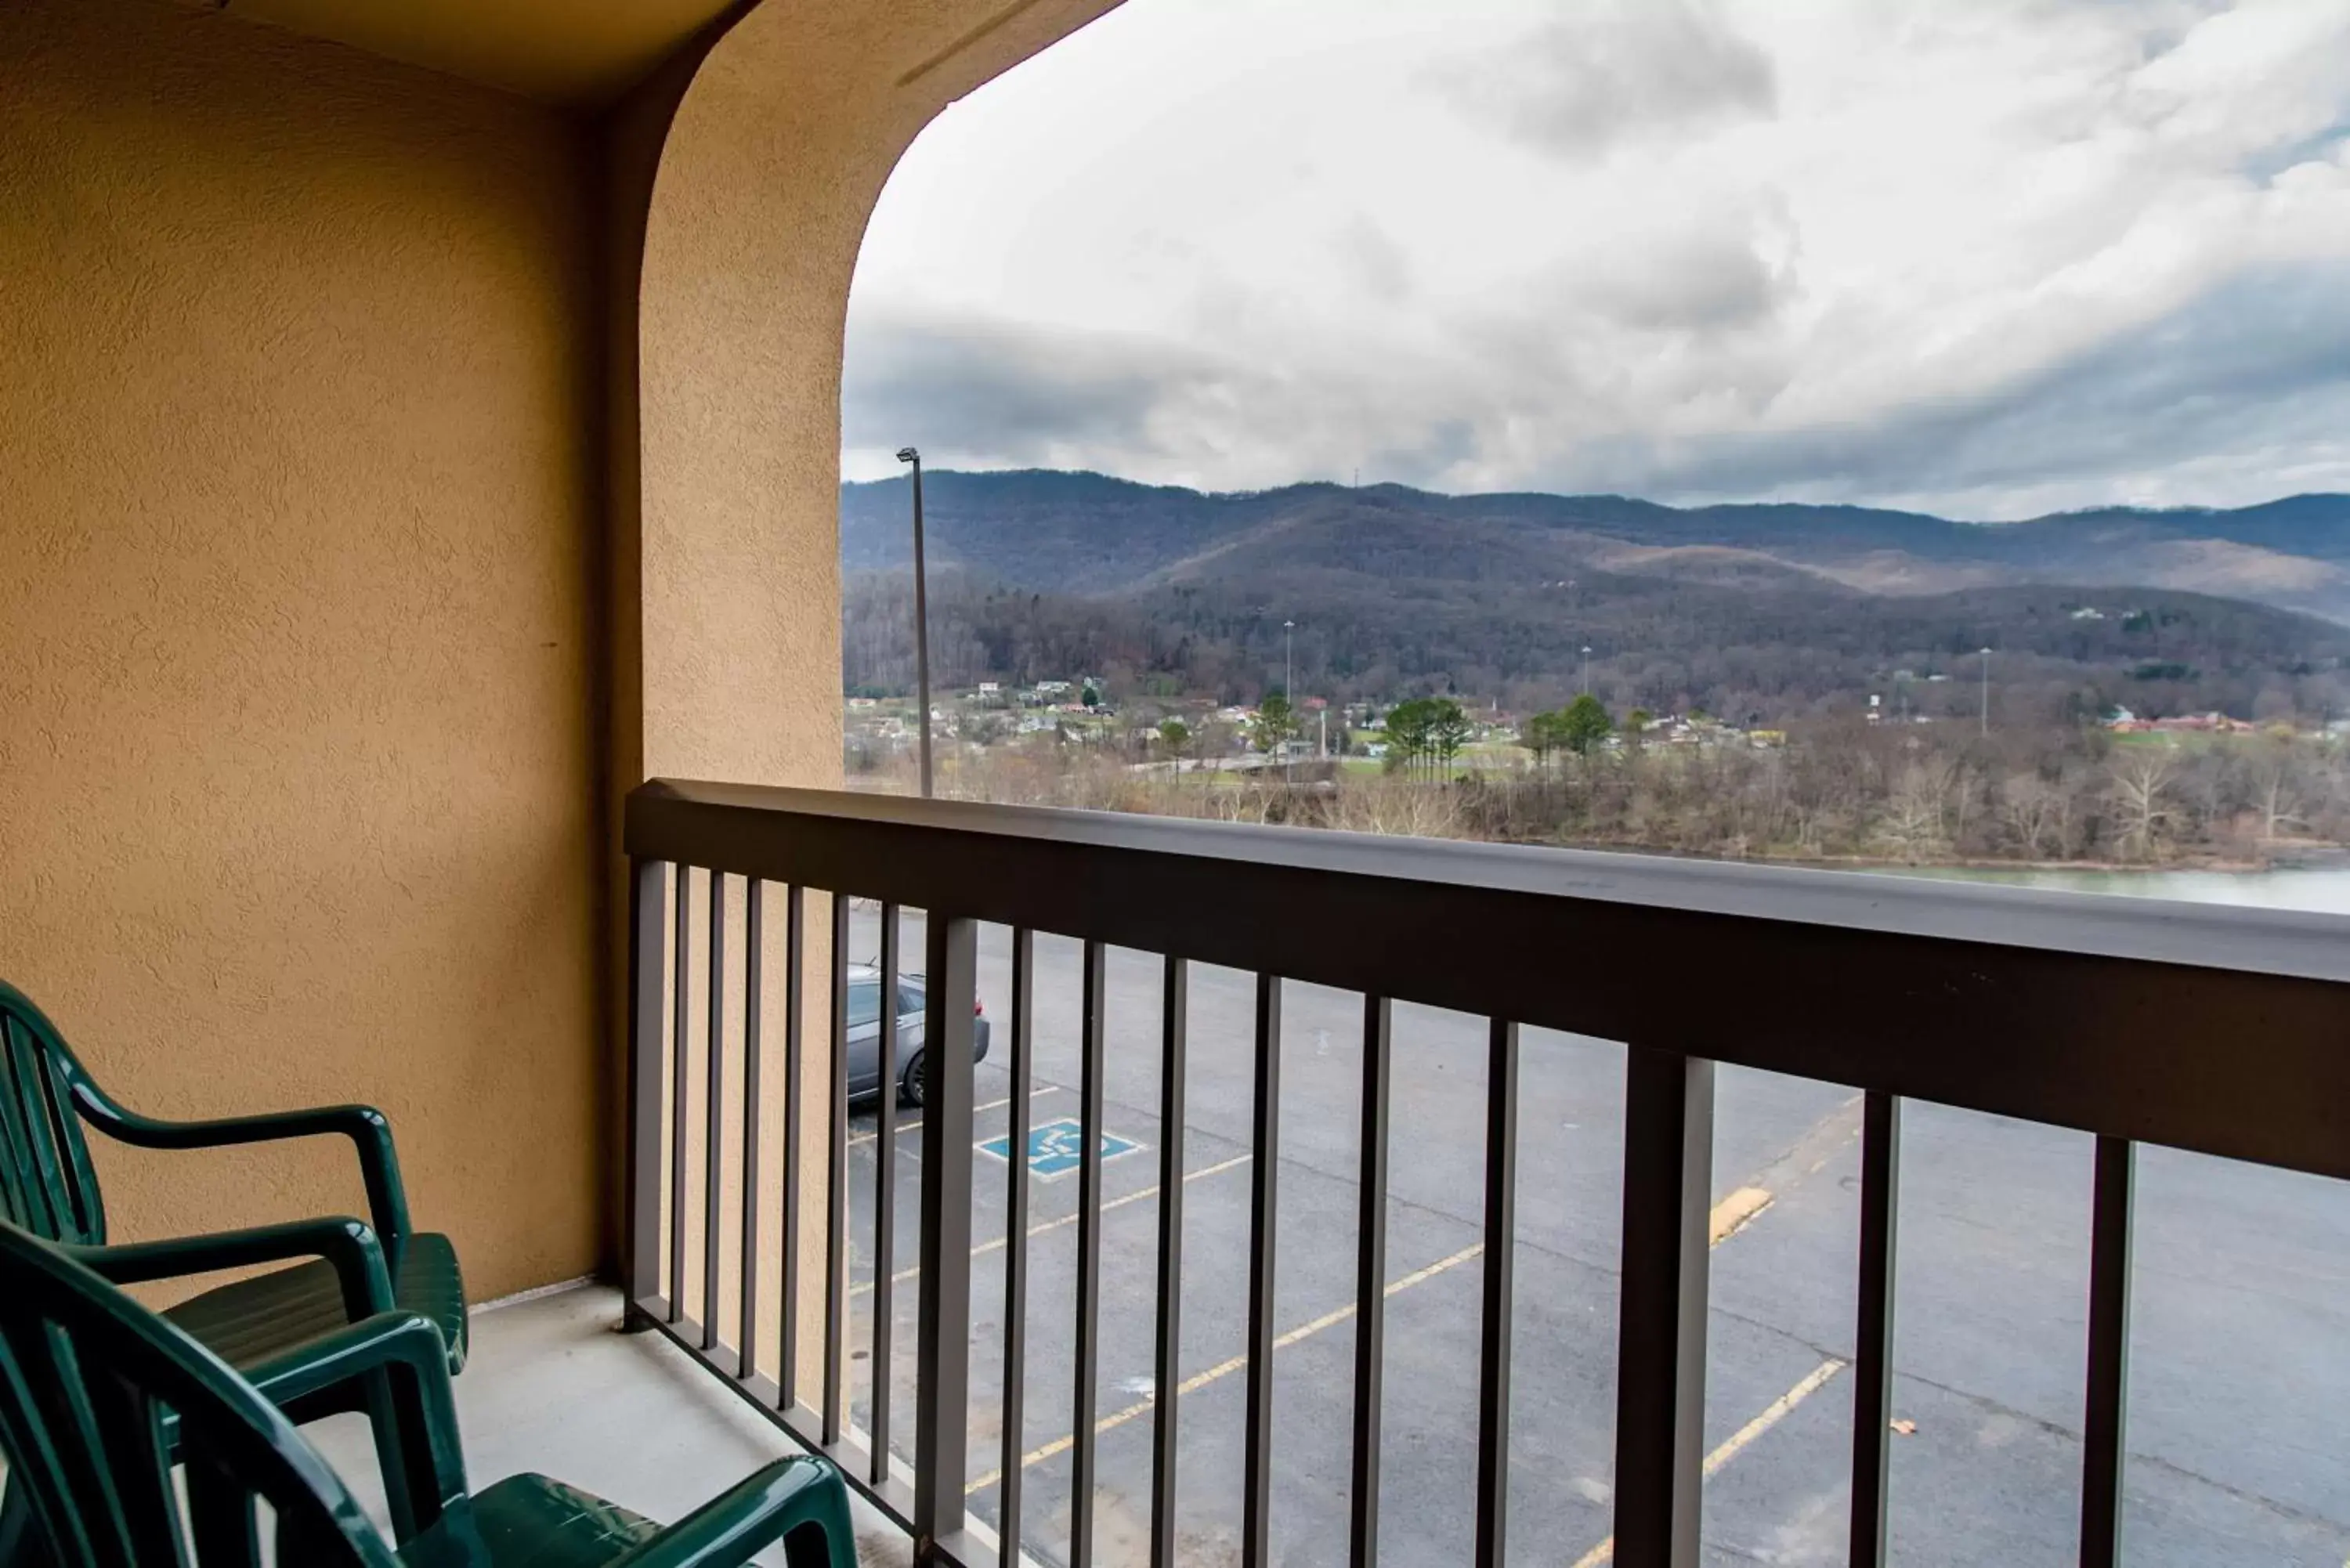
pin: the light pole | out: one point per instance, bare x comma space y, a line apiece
922, 618
1586, 667
1986, 692
1288, 679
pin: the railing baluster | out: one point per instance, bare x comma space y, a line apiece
884, 1199
1501, 1247
1089, 1337
1175, 994
942, 1393
1371, 1282
2108, 1381
714, 1114
748, 1325
680, 1117
836, 1192
1015, 1250
1660, 1333
1256, 1469
647, 1066
1872, 1366
787, 1309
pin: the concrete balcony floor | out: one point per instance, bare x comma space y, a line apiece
551, 1385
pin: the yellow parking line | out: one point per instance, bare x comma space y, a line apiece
1736, 1212
996, 1243
1771, 1415
916, 1124
1223, 1369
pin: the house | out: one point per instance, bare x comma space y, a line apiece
2212, 724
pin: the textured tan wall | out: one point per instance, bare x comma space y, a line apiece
726, 515
298, 766
340, 599
769, 174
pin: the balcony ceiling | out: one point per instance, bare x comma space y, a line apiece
558, 50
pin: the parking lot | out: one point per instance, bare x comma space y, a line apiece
2240, 1393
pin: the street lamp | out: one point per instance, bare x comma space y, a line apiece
922, 618
1986, 692
1586, 667
1288, 681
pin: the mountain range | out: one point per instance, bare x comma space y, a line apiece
1773, 607
1089, 533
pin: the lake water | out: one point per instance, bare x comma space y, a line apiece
2320, 889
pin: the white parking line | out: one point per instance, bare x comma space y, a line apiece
915, 1124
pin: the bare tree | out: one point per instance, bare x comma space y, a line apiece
2276, 794
2032, 810
2140, 788
1394, 805
1912, 822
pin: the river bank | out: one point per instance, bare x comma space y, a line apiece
2284, 858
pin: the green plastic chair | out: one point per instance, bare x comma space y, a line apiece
94, 1388
263, 1325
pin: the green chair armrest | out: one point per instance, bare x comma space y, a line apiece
409, 1352
748, 1518
346, 1244
367, 1128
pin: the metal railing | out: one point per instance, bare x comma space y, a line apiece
2226, 1033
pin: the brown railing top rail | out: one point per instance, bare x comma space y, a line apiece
2225, 1030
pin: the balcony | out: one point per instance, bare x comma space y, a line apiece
423, 430
1509, 1337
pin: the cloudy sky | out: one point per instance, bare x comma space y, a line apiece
1987, 257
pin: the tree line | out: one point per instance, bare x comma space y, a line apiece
1919, 794
1759, 657
1927, 794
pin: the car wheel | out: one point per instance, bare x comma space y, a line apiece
910, 1084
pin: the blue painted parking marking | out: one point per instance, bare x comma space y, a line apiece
1057, 1148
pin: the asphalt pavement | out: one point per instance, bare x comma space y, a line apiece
2239, 1395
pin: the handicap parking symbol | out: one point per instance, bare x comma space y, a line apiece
1057, 1148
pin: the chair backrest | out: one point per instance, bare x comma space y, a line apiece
88, 1377
47, 1184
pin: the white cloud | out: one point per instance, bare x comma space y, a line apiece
1990, 256
1594, 76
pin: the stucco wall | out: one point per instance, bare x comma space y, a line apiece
767, 178
298, 574
726, 541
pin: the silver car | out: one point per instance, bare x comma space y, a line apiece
865, 1034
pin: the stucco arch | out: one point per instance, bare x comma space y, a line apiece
776, 150
744, 175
